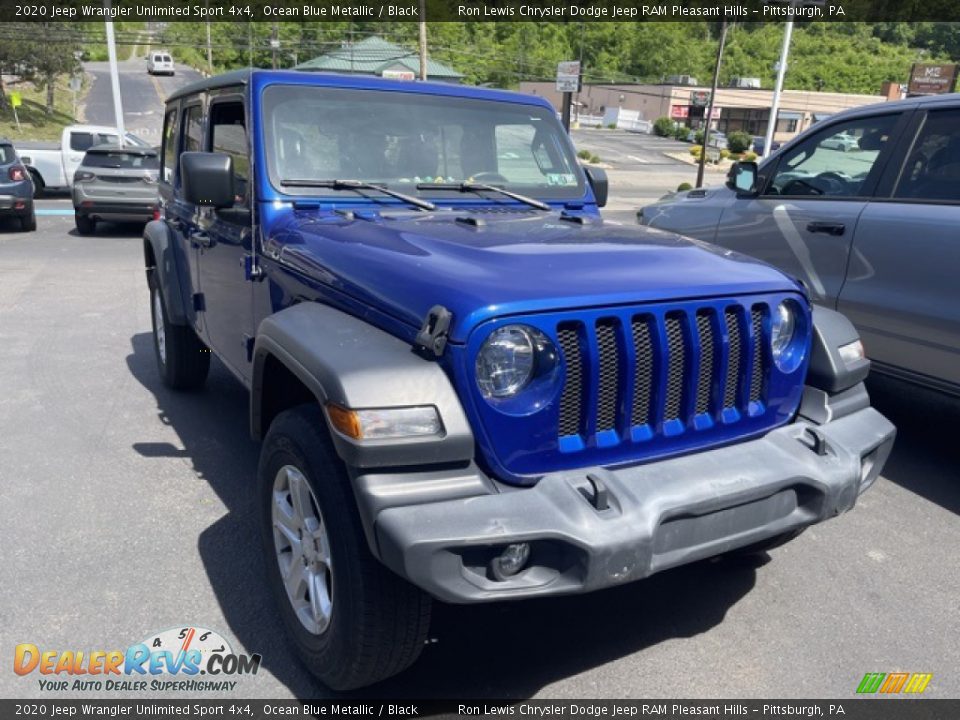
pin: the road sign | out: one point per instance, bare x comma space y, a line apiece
76, 82
16, 99
699, 98
398, 74
932, 79
568, 76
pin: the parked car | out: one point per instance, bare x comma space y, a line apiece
871, 233
841, 141
52, 165
760, 142
159, 62
16, 188
468, 386
117, 184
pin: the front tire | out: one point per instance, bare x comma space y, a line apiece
28, 223
182, 359
353, 622
85, 224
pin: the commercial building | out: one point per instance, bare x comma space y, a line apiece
376, 56
736, 108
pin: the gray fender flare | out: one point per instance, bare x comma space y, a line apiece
165, 272
346, 361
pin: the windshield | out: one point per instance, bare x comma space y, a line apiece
121, 160
403, 139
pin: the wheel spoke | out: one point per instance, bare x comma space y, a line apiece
320, 603
299, 495
296, 579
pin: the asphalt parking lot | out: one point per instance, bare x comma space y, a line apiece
126, 509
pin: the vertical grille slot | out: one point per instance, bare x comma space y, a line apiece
756, 376
609, 357
643, 378
571, 400
676, 360
705, 371
734, 359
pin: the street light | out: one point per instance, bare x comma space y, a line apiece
115, 81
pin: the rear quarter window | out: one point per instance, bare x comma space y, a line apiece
7, 154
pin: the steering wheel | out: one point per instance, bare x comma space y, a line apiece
836, 183
489, 177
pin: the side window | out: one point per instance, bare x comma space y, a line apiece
107, 139
193, 129
932, 171
835, 162
228, 135
169, 149
81, 141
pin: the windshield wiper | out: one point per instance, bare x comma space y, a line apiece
359, 185
479, 187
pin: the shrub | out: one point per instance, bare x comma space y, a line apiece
696, 150
698, 137
663, 126
724, 154
684, 186
680, 132
594, 159
612, 126
739, 141
584, 154
749, 156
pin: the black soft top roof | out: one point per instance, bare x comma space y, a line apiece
236, 77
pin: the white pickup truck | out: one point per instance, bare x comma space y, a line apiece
52, 165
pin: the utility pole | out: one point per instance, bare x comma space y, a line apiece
209, 47
115, 81
778, 88
423, 39
274, 44
713, 98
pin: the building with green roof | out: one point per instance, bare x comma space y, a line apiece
376, 56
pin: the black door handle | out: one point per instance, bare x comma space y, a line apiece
836, 229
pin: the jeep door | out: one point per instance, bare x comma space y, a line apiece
181, 131
224, 240
902, 290
811, 199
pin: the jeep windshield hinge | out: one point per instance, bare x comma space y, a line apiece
432, 338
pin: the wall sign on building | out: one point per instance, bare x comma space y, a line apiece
932, 79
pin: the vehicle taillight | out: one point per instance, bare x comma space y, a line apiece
83, 176
17, 174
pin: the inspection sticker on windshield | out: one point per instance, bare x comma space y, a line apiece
561, 179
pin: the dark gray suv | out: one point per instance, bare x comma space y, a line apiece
870, 225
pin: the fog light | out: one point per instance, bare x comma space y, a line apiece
851, 353
511, 561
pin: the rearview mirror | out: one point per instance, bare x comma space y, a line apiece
598, 182
742, 177
207, 179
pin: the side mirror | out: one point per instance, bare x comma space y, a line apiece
742, 177
207, 179
598, 182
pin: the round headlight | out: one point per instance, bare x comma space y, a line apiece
787, 334
506, 361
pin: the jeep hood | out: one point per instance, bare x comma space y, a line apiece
481, 265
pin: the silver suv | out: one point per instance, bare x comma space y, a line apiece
864, 209
115, 183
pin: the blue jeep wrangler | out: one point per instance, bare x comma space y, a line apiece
468, 386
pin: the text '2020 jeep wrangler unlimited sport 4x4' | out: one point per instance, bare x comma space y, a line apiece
468, 386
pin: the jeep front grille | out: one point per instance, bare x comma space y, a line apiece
647, 374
